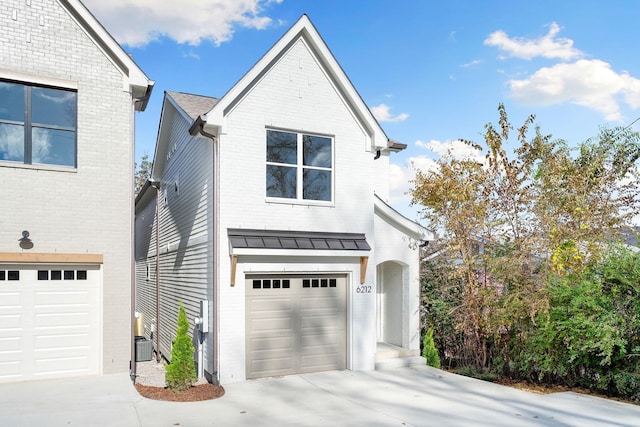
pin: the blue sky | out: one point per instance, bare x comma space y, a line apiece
432, 72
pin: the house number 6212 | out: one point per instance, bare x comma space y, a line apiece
364, 289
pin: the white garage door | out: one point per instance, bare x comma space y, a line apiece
295, 324
49, 321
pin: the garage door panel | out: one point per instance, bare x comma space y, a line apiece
10, 345
272, 366
66, 365
275, 343
296, 329
52, 320
62, 298
320, 303
10, 323
10, 369
323, 322
320, 362
10, 300
323, 339
272, 325
66, 340
270, 305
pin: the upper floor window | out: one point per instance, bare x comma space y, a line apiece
37, 124
299, 166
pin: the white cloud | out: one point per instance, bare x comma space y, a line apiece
139, 22
453, 148
382, 113
547, 46
472, 63
589, 83
402, 175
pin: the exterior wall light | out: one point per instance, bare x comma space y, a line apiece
25, 242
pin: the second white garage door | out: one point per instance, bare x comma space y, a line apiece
295, 324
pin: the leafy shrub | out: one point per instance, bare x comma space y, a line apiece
181, 372
429, 350
589, 335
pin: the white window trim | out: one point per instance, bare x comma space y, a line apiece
299, 200
38, 80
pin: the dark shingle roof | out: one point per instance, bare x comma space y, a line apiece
276, 239
193, 105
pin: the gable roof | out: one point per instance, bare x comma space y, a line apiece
190, 107
400, 222
304, 30
134, 79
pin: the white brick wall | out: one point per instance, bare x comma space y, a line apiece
296, 95
82, 211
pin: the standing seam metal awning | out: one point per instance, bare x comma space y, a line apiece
276, 239
297, 240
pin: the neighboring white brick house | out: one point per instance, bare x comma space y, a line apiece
271, 206
68, 93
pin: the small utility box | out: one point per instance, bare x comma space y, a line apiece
144, 349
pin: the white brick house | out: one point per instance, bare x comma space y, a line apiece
270, 205
68, 93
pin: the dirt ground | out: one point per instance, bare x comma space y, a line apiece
193, 394
150, 384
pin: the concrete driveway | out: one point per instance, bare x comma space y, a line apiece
419, 396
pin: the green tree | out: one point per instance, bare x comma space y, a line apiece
142, 173
581, 195
181, 372
429, 350
509, 223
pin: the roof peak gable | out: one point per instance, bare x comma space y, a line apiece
303, 30
137, 81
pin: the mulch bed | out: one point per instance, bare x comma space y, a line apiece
195, 393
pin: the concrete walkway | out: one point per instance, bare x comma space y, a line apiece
420, 396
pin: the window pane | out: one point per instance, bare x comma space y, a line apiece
11, 101
53, 147
53, 107
11, 142
317, 185
316, 151
282, 147
281, 181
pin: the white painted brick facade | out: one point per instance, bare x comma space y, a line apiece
87, 210
294, 95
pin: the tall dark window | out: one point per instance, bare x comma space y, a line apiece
299, 166
37, 124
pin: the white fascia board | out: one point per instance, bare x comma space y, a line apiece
299, 253
400, 222
303, 28
139, 85
163, 139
